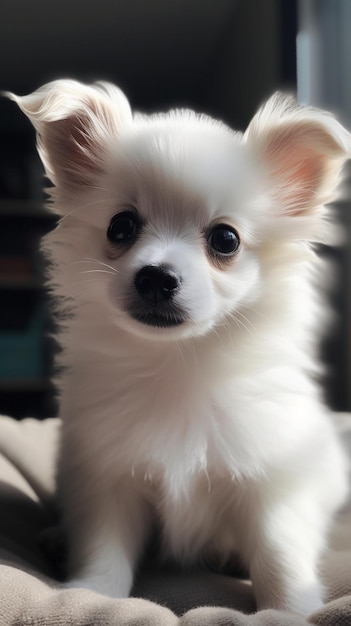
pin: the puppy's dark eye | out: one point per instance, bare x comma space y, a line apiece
123, 227
223, 240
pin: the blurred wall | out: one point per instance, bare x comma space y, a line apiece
224, 55
324, 80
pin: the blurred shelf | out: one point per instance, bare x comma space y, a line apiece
20, 282
18, 385
10, 207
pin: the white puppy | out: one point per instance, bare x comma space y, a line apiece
183, 260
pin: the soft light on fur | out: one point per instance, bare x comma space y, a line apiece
207, 421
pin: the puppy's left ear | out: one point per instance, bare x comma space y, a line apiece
75, 125
302, 150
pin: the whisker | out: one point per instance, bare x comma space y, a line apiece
257, 312
95, 271
99, 188
88, 204
241, 324
78, 208
91, 260
219, 337
246, 319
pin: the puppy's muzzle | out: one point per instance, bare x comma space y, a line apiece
153, 300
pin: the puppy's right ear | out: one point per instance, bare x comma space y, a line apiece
74, 124
302, 150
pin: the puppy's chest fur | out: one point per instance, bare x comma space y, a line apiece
165, 421
205, 508
190, 441
172, 438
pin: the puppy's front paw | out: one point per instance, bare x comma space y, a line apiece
302, 599
307, 599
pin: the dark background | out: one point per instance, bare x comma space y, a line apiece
221, 57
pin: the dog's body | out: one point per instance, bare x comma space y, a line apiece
188, 398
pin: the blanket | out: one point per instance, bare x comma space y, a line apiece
31, 593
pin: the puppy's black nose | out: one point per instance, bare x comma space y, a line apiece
156, 283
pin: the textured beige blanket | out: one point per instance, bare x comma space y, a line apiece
31, 596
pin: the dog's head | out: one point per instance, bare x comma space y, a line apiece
174, 219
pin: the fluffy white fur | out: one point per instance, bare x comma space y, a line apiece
214, 429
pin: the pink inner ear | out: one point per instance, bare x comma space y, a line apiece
74, 148
303, 183
298, 168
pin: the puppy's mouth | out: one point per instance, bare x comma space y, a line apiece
158, 316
